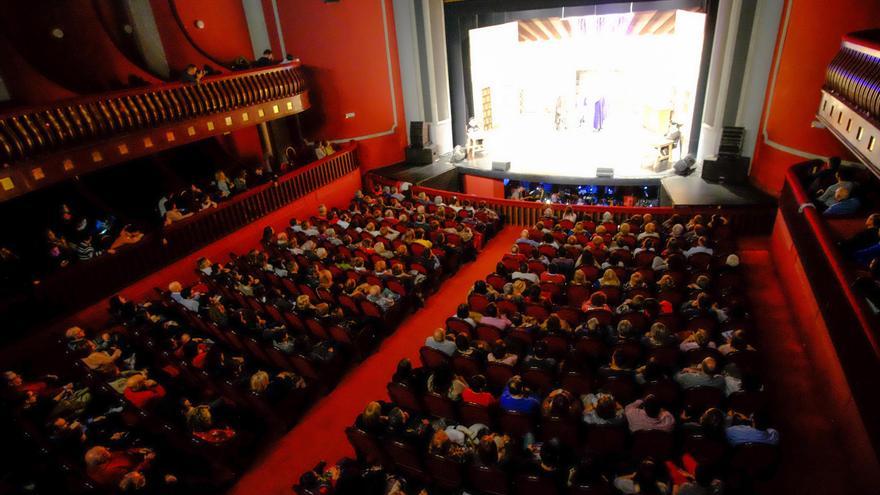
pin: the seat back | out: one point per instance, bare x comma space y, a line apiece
488, 480
539, 380
432, 358
466, 366
471, 413
439, 406
516, 424
566, 430
487, 333
478, 302
607, 440
530, 484
653, 443
446, 473
367, 448
705, 450
698, 399
498, 374
405, 397
405, 459
755, 460
457, 325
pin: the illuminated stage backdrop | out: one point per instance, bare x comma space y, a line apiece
565, 96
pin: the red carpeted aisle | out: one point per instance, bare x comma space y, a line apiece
811, 463
320, 434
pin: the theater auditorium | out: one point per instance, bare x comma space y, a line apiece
440, 247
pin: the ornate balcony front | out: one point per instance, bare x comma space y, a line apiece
43, 145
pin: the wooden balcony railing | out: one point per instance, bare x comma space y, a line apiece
85, 282
746, 220
40, 145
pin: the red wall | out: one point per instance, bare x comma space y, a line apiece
245, 144
483, 186
225, 36
178, 50
343, 47
813, 38
84, 60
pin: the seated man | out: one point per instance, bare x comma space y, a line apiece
701, 376
177, 296
516, 398
844, 204
751, 430
828, 196
108, 468
866, 238
439, 342
647, 414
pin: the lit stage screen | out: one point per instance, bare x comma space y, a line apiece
565, 96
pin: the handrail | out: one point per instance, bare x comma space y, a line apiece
819, 229
746, 220
64, 290
31, 131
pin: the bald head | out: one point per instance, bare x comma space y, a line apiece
709, 365
439, 335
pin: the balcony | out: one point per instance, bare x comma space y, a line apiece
43, 145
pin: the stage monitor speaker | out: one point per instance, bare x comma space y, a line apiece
605, 172
729, 170
500, 166
418, 134
419, 156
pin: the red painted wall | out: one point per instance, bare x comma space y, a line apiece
244, 143
225, 36
84, 60
343, 46
813, 38
178, 50
483, 186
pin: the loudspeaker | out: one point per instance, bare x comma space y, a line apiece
729, 170
500, 166
419, 156
418, 134
605, 172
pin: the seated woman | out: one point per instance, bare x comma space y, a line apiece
141, 391
560, 403
200, 421
446, 383
501, 354
643, 480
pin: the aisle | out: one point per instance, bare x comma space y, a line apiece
320, 434
809, 441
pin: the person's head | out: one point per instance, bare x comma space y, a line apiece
701, 337
462, 342
96, 456
259, 381
646, 476
191, 69
75, 333
712, 420
606, 407
651, 405
132, 481
439, 335
463, 311
440, 440
477, 383
499, 349
267, 53
598, 299
404, 367
559, 405
491, 310
551, 454
732, 260
175, 287
579, 278
624, 328
372, 413
552, 324
515, 386
487, 450
739, 340
137, 382
610, 278
709, 366
841, 194
659, 332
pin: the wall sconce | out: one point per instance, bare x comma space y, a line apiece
57, 33
200, 24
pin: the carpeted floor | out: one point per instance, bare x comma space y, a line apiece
811, 462
320, 434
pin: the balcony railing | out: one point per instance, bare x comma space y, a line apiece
41, 145
746, 220
85, 282
852, 326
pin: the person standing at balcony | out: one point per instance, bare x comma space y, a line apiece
192, 74
268, 59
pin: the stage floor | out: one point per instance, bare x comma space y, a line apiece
573, 154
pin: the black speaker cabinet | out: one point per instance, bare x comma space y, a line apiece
418, 134
419, 156
729, 170
501, 166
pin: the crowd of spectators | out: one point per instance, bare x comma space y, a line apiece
630, 329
